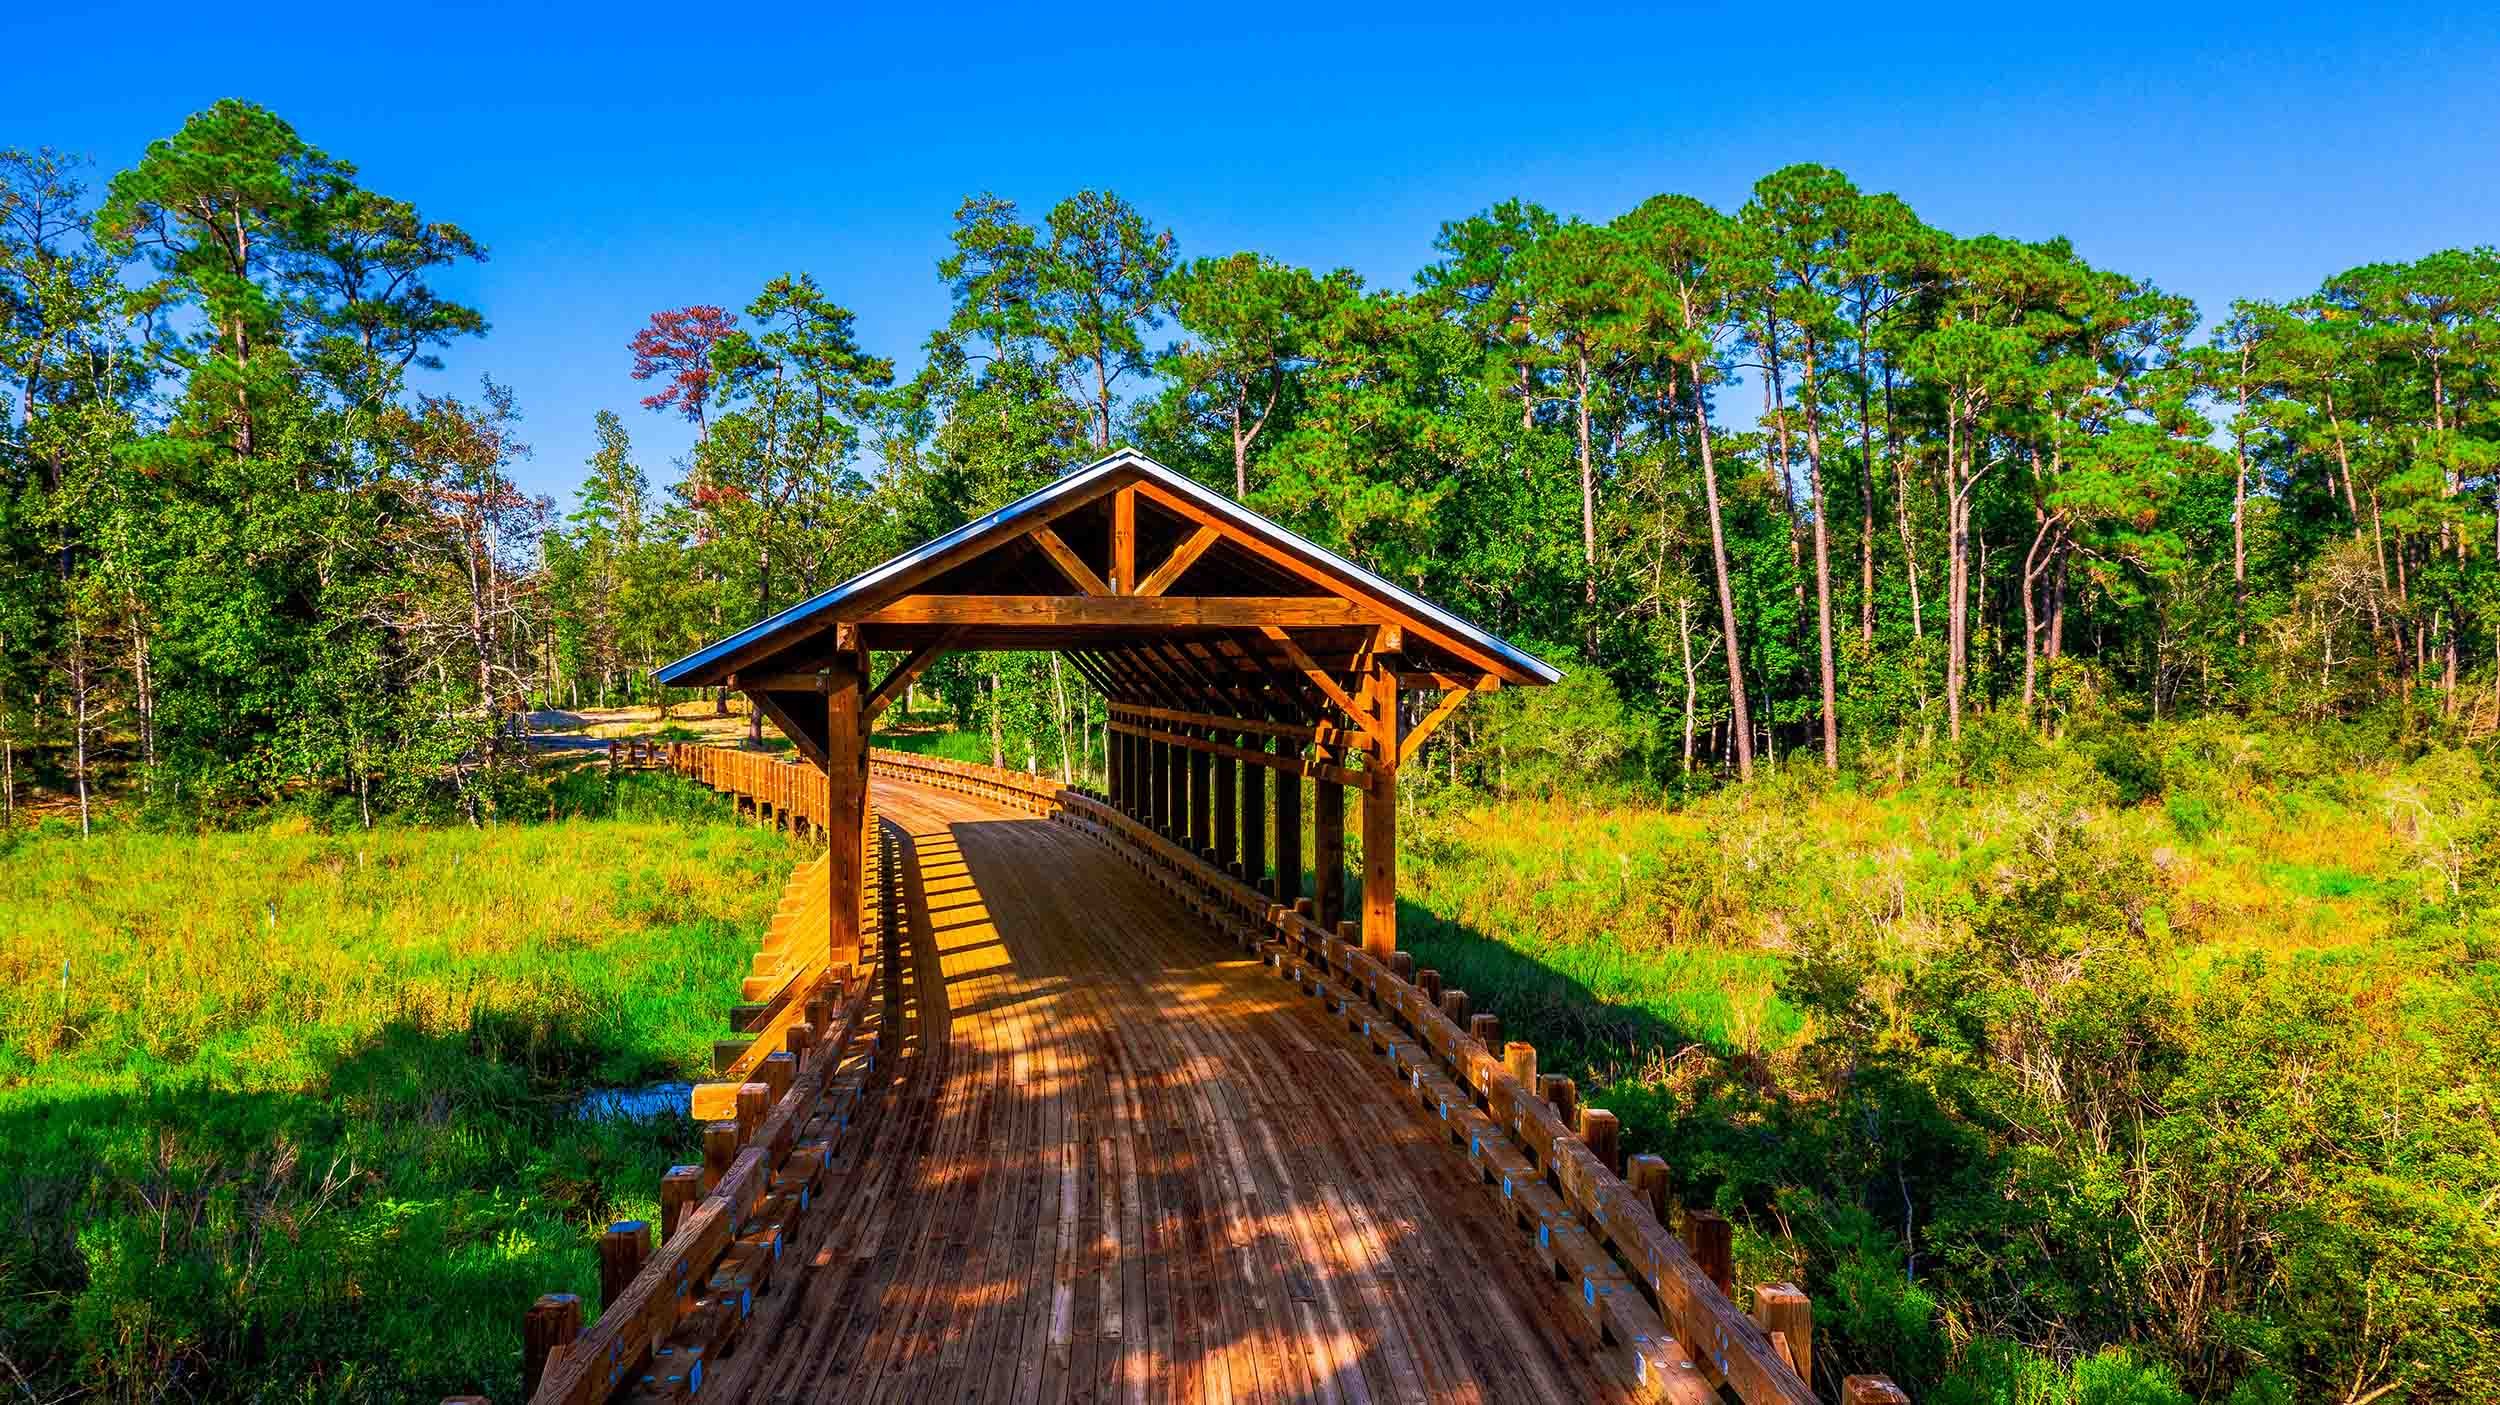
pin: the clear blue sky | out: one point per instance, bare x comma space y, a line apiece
620, 159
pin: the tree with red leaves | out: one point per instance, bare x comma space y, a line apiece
677, 346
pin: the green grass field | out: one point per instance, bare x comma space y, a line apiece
287, 1115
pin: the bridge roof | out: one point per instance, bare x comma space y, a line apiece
1044, 568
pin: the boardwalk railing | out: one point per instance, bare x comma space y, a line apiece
1556, 1167
1663, 1301
771, 1136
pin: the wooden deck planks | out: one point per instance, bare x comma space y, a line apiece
1116, 1162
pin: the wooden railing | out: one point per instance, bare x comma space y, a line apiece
1555, 1168
772, 1131
1662, 1301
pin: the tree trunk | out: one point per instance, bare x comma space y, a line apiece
1822, 563
1741, 725
1684, 637
1588, 510
1059, 701
998, 742
1909, 532
2239, 506
1957, 627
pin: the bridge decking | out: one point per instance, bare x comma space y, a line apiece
1118, 1162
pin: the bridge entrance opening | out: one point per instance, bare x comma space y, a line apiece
1243, 665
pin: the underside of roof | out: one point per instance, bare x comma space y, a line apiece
1219, 610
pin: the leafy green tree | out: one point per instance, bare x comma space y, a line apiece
1252, 332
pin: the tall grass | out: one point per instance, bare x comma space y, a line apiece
290, 1113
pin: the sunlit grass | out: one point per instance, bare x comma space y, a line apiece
296, 1107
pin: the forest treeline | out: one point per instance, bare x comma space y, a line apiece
1803, 484
1802, 477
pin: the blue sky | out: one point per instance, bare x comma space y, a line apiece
619, 159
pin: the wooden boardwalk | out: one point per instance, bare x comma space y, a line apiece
1115, 1160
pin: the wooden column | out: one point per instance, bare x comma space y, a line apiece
846, 796
1201, 806
1113, 772
1126, 796
1254, 814
1328, 843
1288, 834
1158, 785
1227, 838
1380, 811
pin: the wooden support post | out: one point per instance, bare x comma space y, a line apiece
622, 1252
1201, 797
1781, 1308
1647, 1173
1712, 1241
1254, 815
1328, 846
1429, 982
755, 1103
1114, 772
1402, 966
846, 785
1487, 1031
1602, 1133
1288, 836
680, 1188
777, 1072
1454, 1005
1380, 811
1167, 779
720, 1148
1562, 1093
1519, 1056
1227, 839
553, 1321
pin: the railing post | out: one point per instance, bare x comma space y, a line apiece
1254, 815
622, 1252
552, 1322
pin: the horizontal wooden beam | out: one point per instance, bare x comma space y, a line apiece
1217, 721
781, 682
1124, 611
1292, 765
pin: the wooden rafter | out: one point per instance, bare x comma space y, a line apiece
1294, 564
1182, 558
1328, 686
1069, 563
1413, 741
779, 716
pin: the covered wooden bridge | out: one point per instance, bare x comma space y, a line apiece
1055, 1095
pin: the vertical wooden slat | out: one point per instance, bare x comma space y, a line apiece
1328, 844
1380, 811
